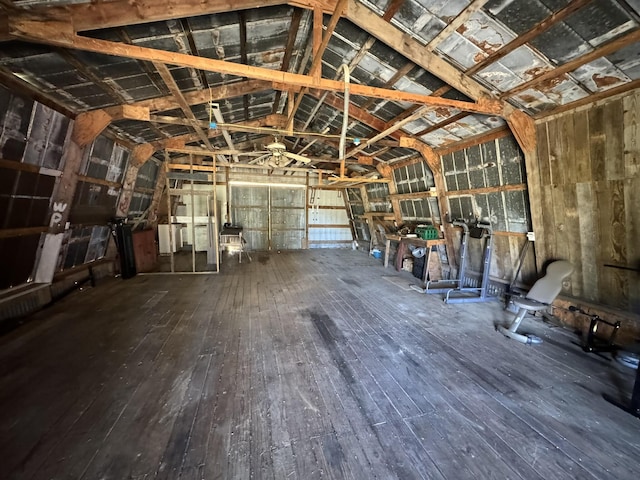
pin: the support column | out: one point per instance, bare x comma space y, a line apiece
86, 128
524, 131
60, 208
433, 161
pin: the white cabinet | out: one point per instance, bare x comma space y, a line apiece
164, 238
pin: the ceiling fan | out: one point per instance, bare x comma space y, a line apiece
276, 155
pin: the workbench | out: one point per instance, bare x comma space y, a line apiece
402, 242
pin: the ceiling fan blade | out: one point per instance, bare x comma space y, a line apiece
295, 156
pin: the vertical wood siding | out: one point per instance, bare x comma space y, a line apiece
588, 165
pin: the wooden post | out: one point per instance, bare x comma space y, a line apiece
61, 205
433, 161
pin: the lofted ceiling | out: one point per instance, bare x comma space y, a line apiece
440, 71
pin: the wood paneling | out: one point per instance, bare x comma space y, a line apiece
587, 170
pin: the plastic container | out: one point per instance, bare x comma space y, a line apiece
427, 232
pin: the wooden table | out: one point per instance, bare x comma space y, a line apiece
402, 245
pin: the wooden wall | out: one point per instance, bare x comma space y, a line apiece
584, 189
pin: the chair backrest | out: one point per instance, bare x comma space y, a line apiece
547, 288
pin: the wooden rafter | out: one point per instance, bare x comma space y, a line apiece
58, 34
444, 123
456, 23
147, 67
389, 130
168, 79
242, 23
316, 39
366, 46
296, 17
318, 53
403, 43
119, 13
392, 9
401, 72
475, 140
529, 35
193, 48
249, 126
354, 112
198, 97
86, 72
572, 65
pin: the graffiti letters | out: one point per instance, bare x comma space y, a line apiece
56, 216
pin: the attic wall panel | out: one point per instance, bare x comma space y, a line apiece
589, 202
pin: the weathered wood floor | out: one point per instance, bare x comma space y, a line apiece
317, 364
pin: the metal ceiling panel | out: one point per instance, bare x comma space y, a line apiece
518, 15
628, 60
461, 51
425, 19
600, 75
560, 91
519, 66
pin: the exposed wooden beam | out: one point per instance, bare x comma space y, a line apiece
475, 140
193, 48
401, 72
442, 124
116, 94
326, 37
477, 191
242, 23
99, 181
250, 126
314, 70
141, 153
389, 130
529, 35
58, 34
120, 13
198, 97
148, 67
392, 9
523, 130
412, 196
456, 23
355, 113
170, 82
318, 18
88, 125
403, 43
190, 138
296, 17
606, 49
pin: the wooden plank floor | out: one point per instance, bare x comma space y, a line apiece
315, 364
